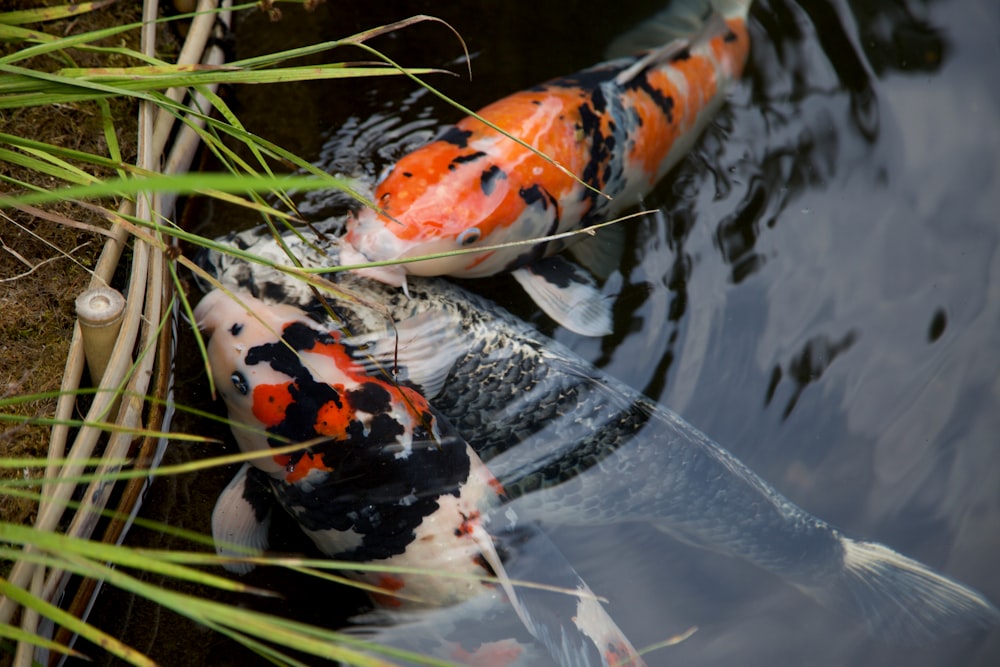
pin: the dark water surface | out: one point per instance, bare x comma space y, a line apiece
820, 294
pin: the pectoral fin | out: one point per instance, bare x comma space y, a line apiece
601, 253
567, 294
421, 349
242, 517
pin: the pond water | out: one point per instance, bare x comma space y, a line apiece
819, 293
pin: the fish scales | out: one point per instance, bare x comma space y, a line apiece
587, 418
590, 448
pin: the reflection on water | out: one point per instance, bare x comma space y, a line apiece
820, 293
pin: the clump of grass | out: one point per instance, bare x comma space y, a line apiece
77, 82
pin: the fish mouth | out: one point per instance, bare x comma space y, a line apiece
205, 313
392, 274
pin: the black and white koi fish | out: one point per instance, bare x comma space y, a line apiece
573, 445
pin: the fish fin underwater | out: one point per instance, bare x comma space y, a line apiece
902, 601
592, 638
567, 294
547, 605
423, 338
241, 519
681, 482
676, 24
600, 253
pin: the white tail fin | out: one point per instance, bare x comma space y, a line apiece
901, 600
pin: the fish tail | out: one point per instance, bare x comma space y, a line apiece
901, 600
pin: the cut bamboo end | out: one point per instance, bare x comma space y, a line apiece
100, 312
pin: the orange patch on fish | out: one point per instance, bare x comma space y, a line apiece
270, 403
468, 525
657, 131
332, 419
489, 654
497, 486
735, 57
307, 463
390, 583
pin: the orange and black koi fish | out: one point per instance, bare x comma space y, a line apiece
383, 479
618, 127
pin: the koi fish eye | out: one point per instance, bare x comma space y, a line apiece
469, 236
240, 382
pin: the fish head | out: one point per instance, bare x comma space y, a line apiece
236, 325
447, 197
377, 472
285, 379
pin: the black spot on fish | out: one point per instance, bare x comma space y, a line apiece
236, 329
730, 37
601, 147
370, 397
471, 157
683, 54
408, 174
588, 79
363, 494
257, 493
301, 336
532, 195
274, 292
665, 102
487, 180
598, 102
384, 429
555, 270
455, 136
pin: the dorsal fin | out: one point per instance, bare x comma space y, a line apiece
712, 26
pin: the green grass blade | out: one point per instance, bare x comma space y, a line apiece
41, 14
67, 620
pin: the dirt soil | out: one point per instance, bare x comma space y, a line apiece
44, 265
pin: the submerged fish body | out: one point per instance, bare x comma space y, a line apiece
380, 478
614, 129
595, 450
